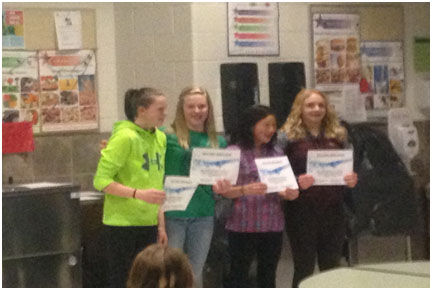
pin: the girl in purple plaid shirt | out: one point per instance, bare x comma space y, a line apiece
256, 221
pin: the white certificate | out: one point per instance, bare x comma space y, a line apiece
328, 167
276, 173
179, 191
211, 165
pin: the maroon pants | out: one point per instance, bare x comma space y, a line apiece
314, 233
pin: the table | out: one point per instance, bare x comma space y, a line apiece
403, 274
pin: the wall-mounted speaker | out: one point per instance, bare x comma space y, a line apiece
286, 79
240, 89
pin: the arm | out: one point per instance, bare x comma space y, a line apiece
241, 190
162, 236
147, 195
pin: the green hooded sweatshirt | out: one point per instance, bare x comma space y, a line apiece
136, 158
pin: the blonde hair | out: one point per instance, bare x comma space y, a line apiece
179, 125
294, 127
160, 266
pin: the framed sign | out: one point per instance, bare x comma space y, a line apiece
253, 28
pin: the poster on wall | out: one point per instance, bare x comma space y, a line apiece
382, 81
20, 87
336, 50
13, 29
68, 94
253, 28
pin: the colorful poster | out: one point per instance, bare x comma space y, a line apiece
336, 50
253, 28
13, 29
68, 90
20, 87
68, 29
382, 82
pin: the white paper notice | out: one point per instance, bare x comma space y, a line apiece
211, 165
179, 191
355, 110
276, 173
68, 29
328, 167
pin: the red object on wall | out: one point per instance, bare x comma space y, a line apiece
17, 137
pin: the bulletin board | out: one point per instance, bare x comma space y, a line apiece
377, 23
55, 90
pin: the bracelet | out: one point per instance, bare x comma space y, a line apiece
133, 195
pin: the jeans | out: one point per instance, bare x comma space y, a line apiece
193, 236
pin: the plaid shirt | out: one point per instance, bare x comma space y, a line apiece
255, 213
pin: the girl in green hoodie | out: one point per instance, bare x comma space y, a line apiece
130, 172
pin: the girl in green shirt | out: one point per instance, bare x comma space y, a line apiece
191, 230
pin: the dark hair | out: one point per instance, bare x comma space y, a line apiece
243, 135
135, 98
159, 266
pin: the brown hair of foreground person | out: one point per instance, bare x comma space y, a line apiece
159, 266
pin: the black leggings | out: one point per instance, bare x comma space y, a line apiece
243, 247
122, 244
314, 233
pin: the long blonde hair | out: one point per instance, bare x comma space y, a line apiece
179, 125
294, 127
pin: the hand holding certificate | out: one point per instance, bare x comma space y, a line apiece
329, 167
276, 173
210, 165
179, 191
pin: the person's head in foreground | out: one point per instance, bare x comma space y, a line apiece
159, 266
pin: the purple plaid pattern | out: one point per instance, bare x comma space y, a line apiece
255, 213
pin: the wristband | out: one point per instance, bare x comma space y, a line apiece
133, 195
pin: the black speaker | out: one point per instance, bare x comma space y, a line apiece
286, 79
240, 89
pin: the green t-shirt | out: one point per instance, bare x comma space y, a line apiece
178, 163
136, 158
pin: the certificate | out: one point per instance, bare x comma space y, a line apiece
211, 165
179, 191
276, 173
328, 167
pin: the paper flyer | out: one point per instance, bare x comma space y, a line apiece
68, 29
